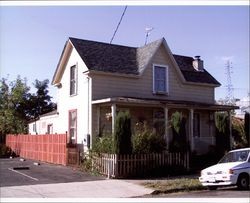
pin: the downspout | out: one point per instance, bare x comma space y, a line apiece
88, 105
89, 120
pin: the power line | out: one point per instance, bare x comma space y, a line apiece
118, 24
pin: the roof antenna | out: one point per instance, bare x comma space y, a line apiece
148, 30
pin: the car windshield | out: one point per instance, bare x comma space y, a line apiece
236, 156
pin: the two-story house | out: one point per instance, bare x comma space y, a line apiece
96, 80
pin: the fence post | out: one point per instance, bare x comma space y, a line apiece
109, 165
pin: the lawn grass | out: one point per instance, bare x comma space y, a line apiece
174, 185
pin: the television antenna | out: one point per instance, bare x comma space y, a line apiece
148, 31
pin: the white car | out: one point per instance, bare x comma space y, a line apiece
232, 169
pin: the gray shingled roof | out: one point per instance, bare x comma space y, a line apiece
112, 58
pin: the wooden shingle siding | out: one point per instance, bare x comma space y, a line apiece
105, 86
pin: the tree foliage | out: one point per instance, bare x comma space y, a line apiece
40, 102
18, 105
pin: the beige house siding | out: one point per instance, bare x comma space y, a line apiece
105, 86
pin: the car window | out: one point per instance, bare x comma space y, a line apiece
236, 156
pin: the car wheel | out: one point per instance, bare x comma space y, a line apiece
212, 187
243, 182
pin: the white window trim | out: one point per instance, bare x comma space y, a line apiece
167, 79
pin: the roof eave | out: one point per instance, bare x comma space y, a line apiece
61, 63
115, 74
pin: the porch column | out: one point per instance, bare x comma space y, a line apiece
191, 128
230, 129
98, 119
166, 127
113, 112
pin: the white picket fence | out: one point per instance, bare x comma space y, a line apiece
115, 165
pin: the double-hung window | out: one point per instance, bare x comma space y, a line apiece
73, 80
160, 79
72, 126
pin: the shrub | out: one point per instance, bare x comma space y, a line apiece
238, 133
5, 151
147, 141
104, 144
122, 136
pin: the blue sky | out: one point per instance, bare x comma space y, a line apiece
32, 38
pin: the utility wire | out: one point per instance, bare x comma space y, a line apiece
118, 24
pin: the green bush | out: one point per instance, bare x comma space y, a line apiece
145, 140
238, 134
104, 144
122, 135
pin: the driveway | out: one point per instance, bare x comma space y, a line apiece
27, 173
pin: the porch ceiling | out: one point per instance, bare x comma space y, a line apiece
163, 103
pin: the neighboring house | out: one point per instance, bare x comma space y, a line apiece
96, 80
46, 124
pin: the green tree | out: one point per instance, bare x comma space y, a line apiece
122, 135
40, 102
13, 98
18, 105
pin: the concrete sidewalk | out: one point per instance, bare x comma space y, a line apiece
92, 189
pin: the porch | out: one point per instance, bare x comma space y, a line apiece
199, 127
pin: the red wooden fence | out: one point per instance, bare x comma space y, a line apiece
47, 148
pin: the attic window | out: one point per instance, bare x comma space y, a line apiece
73, 80
160, 79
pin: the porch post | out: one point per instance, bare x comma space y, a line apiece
191, 128
113, 111
230, 129
98, 119
166, 127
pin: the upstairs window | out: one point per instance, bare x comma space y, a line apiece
73, 80
160, 79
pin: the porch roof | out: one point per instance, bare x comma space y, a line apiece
163, 103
